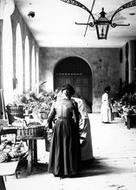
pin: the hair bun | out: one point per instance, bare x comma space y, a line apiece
69, 88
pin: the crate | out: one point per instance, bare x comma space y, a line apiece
30, 132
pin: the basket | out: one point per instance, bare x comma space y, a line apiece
30, 132
14, 111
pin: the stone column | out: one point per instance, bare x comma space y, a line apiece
6, 7
1, 27
2, 5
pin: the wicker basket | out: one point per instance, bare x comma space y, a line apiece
30, 132
15, 111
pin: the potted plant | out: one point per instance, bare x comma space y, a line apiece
36, 105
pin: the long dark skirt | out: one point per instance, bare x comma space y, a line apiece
65, 149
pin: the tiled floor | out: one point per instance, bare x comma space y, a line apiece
113, 168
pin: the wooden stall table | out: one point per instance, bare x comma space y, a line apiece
131, 121
8, 168
31, 143
32, 152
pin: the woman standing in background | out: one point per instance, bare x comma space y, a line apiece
106, 106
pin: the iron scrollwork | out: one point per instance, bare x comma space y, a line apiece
125, 6
76, 3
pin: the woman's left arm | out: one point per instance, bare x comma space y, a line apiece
76, 113
51, 116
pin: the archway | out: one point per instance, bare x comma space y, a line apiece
33, 71
27, 64
75, 71
19, 60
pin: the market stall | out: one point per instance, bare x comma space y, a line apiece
26, 138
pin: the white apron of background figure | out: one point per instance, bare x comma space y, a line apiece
105, 109
85, 131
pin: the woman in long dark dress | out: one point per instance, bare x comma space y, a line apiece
65, 146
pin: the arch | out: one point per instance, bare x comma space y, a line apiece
33, 68
27, 64
36, 88
76, 71
19, 60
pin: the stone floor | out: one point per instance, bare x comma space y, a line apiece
113, 167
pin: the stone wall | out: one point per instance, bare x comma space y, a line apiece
104, 63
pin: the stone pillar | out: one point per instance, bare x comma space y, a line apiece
6, 7
2, 5
1, 64
132, 60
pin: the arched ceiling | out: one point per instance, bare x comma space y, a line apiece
54, 23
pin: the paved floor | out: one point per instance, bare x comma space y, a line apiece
113, 168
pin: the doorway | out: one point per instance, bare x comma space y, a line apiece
75, 71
